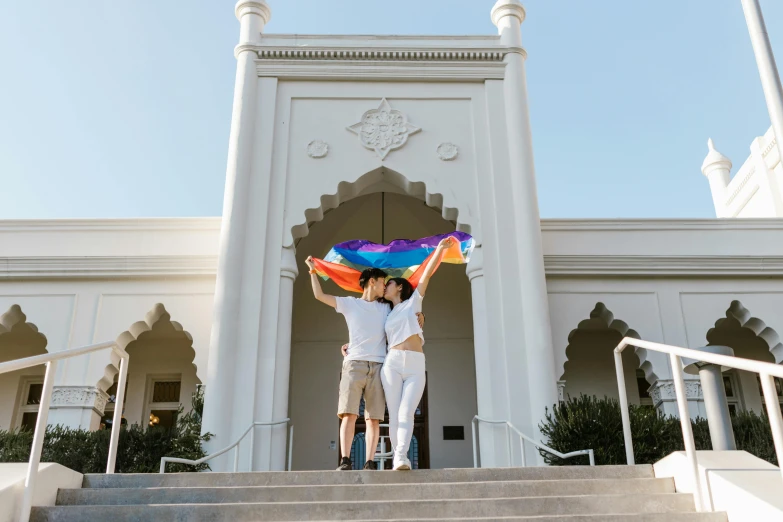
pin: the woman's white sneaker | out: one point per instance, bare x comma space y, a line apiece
402, 465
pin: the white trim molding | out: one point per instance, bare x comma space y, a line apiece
100, 267
30, 268
651, 266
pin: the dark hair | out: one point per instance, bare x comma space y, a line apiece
371, 273
407, 287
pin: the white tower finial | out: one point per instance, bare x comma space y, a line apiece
253, 15
504, 8
717, 168
714, 160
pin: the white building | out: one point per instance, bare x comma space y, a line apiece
535, 314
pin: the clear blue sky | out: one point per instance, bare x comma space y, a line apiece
122, 109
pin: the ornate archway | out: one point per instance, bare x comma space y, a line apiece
161, 372
590, 367
317, 332
750, 338
22, 389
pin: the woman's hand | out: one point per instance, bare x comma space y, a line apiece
309, 263
445, 243
344, 349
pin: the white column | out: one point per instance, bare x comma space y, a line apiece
252, 15
77, 401
717, 168
489, 391
288, 273
768, 71
508, 15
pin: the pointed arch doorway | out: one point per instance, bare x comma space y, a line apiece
318, 332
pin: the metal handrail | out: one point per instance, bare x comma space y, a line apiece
50, 360
766, 373
522, 438
165, 460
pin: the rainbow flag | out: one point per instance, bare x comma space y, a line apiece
401, 258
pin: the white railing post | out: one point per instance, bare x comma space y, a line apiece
290, 447
508, 441
774, 415
522, 450
252, 444
687, 429
38, 439
475, 451
119, 404
624, 413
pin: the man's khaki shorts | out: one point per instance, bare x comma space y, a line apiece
361, 377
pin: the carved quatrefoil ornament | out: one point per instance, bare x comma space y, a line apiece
383, 129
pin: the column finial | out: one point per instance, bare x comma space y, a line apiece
257, 7
714, 159
504, 8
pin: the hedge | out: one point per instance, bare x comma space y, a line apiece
140, 448
586, 422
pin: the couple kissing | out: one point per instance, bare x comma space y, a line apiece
384, 359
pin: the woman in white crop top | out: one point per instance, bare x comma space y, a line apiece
403, 374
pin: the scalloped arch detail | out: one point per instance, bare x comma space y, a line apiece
295, 229
738, 319
602, 319
157, 324
14, 323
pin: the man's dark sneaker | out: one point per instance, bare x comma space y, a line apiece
345, 464
371, 465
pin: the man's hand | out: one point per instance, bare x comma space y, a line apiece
420, 318
309, 263
344, 349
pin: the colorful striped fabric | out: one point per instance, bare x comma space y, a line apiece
401, 258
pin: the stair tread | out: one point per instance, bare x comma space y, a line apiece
368, 477
386, 509
372, 492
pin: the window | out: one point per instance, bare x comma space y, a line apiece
732, 391
778, 390
30, 399
644, 387
162, 401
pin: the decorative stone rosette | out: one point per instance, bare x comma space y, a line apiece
383, 129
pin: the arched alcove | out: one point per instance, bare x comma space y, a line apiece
21, 389
750, 338
161, 372
380, 206
590, 367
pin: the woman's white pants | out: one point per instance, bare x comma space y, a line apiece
403, 377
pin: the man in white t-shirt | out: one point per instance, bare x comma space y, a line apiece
361, 373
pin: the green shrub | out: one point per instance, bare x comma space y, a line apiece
586, 422
753, 434
140, 449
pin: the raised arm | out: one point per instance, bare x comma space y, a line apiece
316, 284
433, 264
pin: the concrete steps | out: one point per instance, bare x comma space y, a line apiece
574, 494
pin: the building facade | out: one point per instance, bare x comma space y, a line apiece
343, 137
